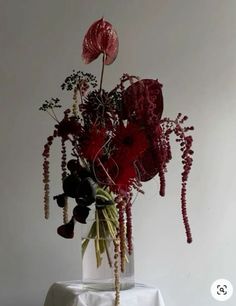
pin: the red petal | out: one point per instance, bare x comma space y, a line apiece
67, 230
100, 38
148, 165
143, 102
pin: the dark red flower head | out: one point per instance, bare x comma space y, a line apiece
125, 176
101, 38
130, 141
92, 146
67, 230
68, 126
143, 102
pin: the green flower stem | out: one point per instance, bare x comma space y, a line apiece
91, 235
97, 240
102, 72
102, 231
104, 228
106, 244
104, 193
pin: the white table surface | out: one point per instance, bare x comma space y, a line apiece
71, 293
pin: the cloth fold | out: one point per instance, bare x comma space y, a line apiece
72, 293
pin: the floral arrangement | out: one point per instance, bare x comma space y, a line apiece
118, 140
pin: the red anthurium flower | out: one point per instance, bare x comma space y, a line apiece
148, 164
143, 102
101, 38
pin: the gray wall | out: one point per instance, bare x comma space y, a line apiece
190, 46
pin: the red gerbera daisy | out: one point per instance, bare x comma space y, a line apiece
130, 141
125, 175
92, 146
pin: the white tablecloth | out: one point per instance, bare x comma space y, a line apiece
71, 293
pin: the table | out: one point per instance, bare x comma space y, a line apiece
71, 293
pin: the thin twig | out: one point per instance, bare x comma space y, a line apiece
52, 116
55, 115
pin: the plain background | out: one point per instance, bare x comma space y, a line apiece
190, 46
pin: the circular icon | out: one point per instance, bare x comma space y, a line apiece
221, 290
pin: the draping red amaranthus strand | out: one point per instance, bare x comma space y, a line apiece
187, 167
129, 224
170, 126
160, 154
46, 173
161, 173
63, 159
121, 204
186, 144
116, 269
64, 174
137, 184
46, 187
